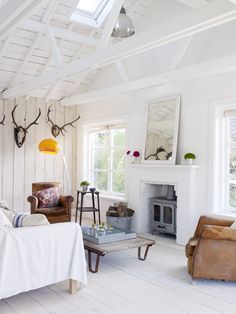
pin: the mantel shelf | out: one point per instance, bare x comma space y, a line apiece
164, 166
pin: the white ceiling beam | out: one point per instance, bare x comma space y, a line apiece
55, 53
50, 10
194, 3
105, 37
3, 2
181, 51
110, 23
122, 71
26, 59
193, 72
13, 12
45, 18
39, 27
209, 16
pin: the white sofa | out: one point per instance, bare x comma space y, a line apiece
33, 257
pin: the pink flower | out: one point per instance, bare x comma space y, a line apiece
136, 153
128, 152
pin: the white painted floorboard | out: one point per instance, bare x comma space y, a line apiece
127, 285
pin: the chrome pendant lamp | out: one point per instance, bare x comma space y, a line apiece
124, 26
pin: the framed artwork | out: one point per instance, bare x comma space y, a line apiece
162, 131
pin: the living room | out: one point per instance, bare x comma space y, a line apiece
62, 73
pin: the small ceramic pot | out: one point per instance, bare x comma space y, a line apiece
189, 161
84, 188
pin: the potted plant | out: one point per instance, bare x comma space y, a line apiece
84, 185
189, 157
119, 216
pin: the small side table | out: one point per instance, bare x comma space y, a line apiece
93, 209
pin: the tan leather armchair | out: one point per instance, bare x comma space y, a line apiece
211, 252
62, 213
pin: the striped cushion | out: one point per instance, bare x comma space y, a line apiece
26, 220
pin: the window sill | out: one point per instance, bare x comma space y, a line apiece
226, 214
112, 197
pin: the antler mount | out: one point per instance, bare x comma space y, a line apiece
56, 129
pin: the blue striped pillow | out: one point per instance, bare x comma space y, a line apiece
18, 220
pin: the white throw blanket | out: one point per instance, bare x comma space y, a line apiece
34, 257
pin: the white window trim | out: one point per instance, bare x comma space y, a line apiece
89, 124
88, 19
216, 172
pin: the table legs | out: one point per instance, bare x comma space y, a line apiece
145, 253
97, 260
95, 270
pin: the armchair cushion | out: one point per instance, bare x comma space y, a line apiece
218, 233
48, 197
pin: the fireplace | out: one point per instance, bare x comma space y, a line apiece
142, 184
163, 215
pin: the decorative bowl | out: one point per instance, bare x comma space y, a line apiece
92, 189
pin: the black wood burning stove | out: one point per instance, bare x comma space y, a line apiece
164, 215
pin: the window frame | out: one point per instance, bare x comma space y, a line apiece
228, 144
110, 147
93, 20
218, 156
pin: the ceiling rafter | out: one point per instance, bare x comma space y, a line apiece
209, 16
194, 3
198, 71
105, 37
26, 59
73, 58
58, 32
83, 75
13, 12
45, 18
181, 51
122, 71
56, 56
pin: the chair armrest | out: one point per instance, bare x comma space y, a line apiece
33, 203
66, 202
218, 233
211, 220
215, 254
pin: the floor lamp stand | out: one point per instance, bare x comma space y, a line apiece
67, 173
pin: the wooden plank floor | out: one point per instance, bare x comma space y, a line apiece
127, 285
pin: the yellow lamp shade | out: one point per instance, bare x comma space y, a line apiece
49, 146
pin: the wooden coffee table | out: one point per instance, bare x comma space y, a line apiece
103, 249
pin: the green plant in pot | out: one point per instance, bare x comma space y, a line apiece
84, 185
189, 157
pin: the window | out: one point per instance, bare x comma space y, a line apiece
224, 157
229, 159
107, 164
92, 12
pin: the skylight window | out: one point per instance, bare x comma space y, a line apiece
90, 6
92, 12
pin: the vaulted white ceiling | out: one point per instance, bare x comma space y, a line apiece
44, 53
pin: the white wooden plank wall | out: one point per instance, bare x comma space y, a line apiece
19, 167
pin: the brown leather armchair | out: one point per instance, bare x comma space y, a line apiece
62, 213
211, 252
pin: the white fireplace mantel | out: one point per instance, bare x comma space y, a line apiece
183, 177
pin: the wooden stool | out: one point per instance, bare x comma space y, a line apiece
93, 209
